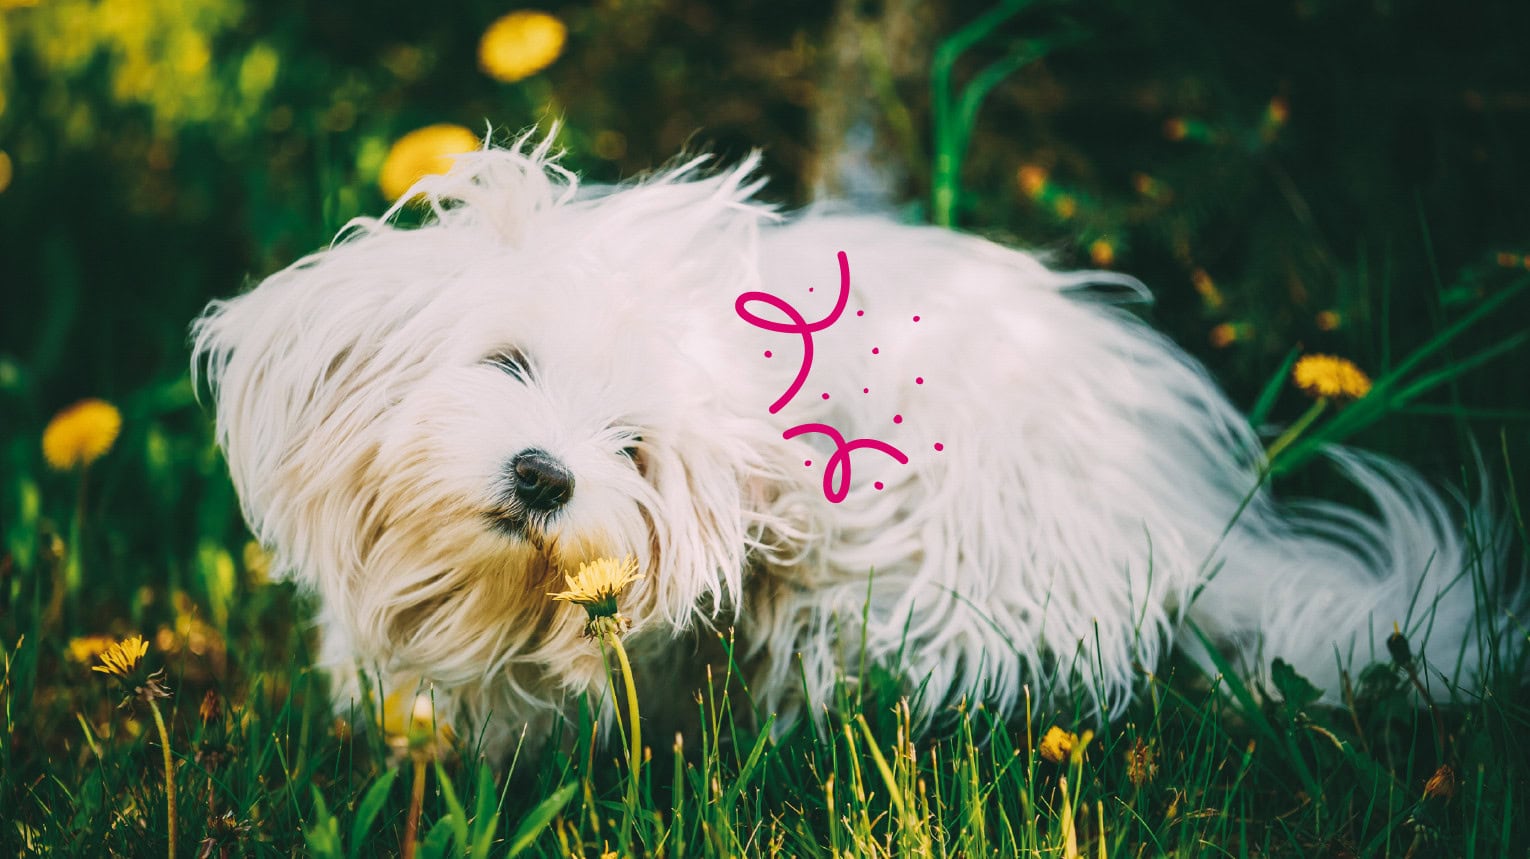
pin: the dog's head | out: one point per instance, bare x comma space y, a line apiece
430, 425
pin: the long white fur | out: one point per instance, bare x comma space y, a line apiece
1085, 505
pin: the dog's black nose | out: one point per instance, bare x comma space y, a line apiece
541, 482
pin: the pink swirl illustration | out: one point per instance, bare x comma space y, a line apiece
836, 475
798, 325
839, 461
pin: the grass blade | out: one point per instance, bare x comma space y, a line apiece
371, 804
538, 818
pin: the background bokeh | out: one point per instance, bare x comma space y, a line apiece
1342, 176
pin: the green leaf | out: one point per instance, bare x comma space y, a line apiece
458, 815
1296, 690
485, 814
747, 771
438, 841
1271, 391
538, 818
322, 831
371, 804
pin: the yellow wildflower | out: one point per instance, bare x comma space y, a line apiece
423, 152
1057, 744
83, 650
1032, 179
124, 661
521, 44
122, 658
1225, 335
414, 724
1278, 111
1206, 288
1329, 377
1066, 207
599, 582
81, 434
596, 586
257, 564
1102, 253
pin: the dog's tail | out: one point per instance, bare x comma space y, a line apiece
1323, 586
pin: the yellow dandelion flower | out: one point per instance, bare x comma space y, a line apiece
423, 152
85, 649
1225, 335
521, 44
1032, 179
1279, 111
1329, 377
122, 658
1153, 190
1057, 744
1102, 253
1065, 207
81, 434
257, 564
415, 724
597, 584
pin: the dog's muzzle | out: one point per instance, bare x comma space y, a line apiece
540, 482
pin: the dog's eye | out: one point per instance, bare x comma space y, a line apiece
631, 450
513, 362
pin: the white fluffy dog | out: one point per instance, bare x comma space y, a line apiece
429, 426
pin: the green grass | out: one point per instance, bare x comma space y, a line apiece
1184, 773
263, 766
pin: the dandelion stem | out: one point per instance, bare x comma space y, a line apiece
1295, 431
635, 749
416, 801
164, 744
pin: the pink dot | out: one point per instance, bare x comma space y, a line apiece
897, 419
767, 353
875, 351
916, 319
810, 289
865, 390
826, 395
878, 484
807, 462
939, 446
919, 380
860, 313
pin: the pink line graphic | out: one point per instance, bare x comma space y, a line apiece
836, 475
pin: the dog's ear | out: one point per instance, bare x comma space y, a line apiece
297, 368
